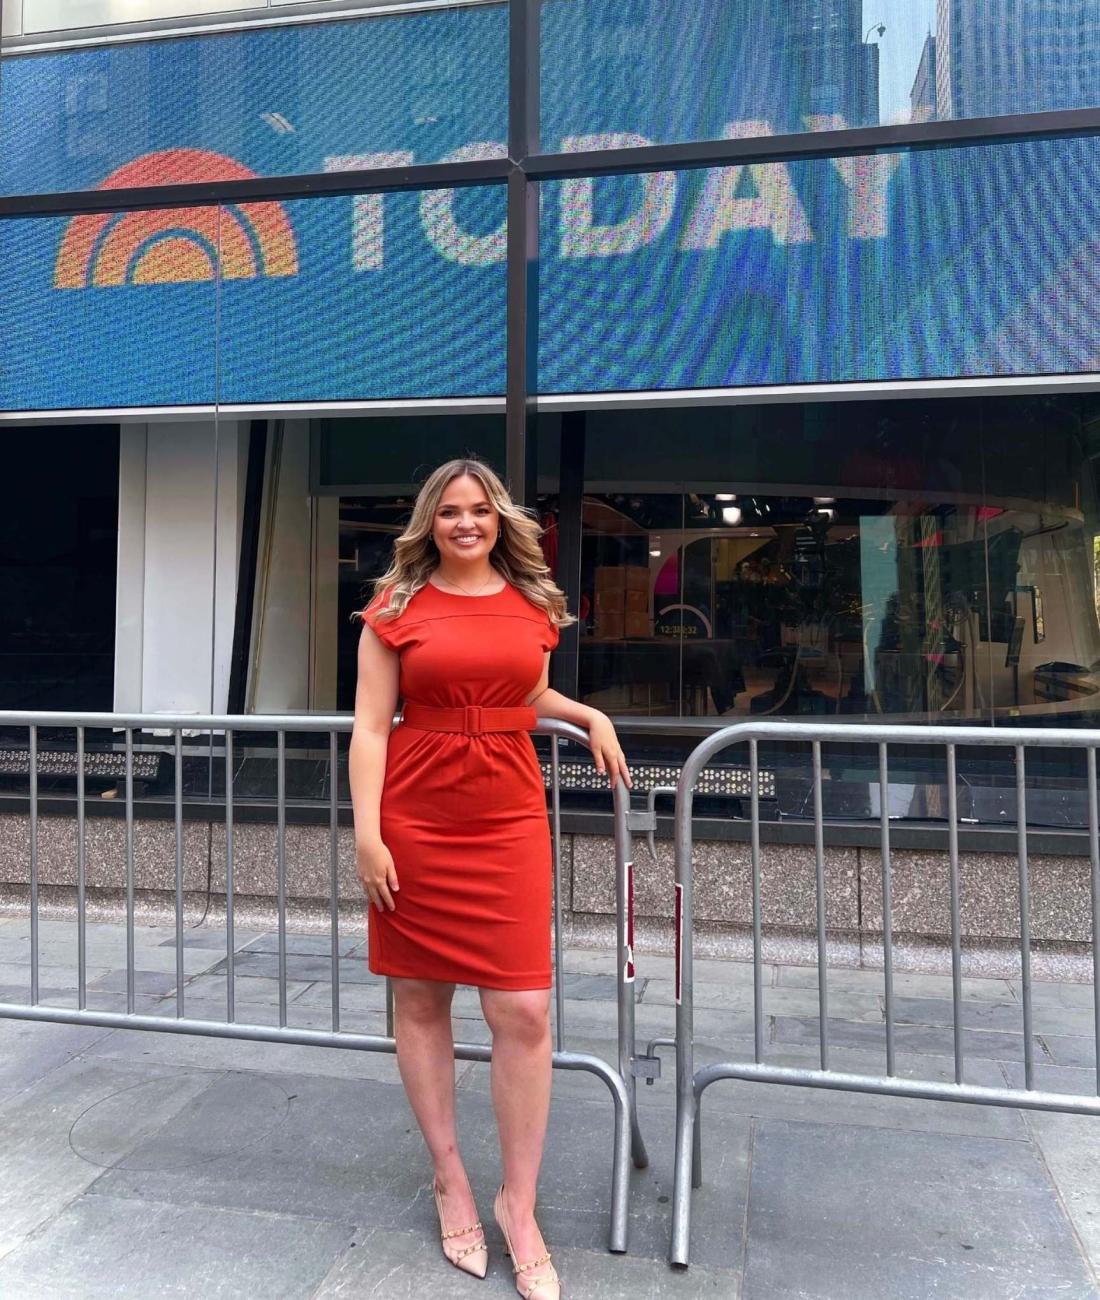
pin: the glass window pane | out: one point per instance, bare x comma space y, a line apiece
623, 71
850, 560
303, 97
59, 502
936, 263
111, 309
315, 300
64, 15
397, 295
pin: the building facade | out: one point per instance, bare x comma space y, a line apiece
813, 435
1008, 56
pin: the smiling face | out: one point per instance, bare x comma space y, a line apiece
466, 522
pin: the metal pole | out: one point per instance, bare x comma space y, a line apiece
685, 1047
280, 867
230, 944
822, 950
1025, 915
956, 923
33, 757
1094, 874
624, 964
334, 877
129, 870
523, 242
887, 903
555, 840
179, 870
757, 927
81, 878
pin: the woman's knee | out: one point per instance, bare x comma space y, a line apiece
524, 1015
422, 1001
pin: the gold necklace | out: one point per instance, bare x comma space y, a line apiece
465, 591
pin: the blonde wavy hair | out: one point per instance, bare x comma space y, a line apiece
516, 554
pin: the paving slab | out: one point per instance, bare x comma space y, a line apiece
261, 1013
1064, 1050
1067, 996
103, 1247
213, 937
1074, 1080
1006, 1016
249, 1131
306, 945
305, 967
353, 997
55, 952
845, 1211
95, 1000
350, 1149
712, 995
17, 974
29, 1050
200, 1052
986, 1044
1070, 1146
407, 1265
212, 988
906, 983
154, 983
43, 1169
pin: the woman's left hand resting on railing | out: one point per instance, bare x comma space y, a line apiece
606, 750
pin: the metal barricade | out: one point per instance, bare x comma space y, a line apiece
619, 1078
692, 1083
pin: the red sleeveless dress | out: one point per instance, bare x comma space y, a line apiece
464, 814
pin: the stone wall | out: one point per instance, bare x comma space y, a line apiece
989, 886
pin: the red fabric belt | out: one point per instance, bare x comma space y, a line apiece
471, 720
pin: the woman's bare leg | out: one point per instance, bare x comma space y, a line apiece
521, 1067
425, 1058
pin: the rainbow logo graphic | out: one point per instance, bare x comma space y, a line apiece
176, 245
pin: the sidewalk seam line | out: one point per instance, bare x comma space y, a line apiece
750, 1155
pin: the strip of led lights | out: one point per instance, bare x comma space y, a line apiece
733, 781
60, 762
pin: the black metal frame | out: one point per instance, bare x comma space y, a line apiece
524, 167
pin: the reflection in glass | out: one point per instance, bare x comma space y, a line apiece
760, 67
787, 606
115, 309
381, 90
921, 561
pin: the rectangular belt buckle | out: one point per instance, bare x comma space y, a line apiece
471, 719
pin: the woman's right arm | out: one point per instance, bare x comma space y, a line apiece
375, 701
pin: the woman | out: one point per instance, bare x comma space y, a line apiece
452, 840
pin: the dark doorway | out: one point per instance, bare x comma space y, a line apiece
58, 567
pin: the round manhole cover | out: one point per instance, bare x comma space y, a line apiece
178, 1120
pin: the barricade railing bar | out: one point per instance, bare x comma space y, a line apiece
619, 1077
692, 1083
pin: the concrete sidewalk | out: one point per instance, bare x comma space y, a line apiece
140, 1165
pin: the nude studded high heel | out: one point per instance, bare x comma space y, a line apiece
546, 1286
470, 1259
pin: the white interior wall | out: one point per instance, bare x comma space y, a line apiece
177, 579
294, 667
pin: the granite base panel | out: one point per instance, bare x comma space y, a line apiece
989, 882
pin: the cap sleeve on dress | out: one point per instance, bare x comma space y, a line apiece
387, 630
550, 634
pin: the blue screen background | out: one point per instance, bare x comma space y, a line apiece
984, 262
